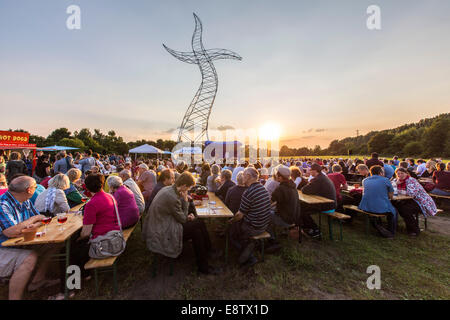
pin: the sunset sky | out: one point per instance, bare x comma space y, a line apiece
312, 67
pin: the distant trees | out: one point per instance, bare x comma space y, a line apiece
97, 141
427, 138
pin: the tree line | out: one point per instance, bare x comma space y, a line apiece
426, 138
96, 141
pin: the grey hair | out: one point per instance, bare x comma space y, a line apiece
226, 174
215, 169
114, 182
240, 178
125, 173
60, 181
252, 172
21, 184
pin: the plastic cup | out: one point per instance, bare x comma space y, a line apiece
29, 234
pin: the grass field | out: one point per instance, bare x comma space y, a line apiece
411, 268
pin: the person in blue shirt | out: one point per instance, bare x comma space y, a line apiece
388, 170
395, 161
377, 195
18, 213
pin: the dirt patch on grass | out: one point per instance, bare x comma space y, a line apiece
439, 224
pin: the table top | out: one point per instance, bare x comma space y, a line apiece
396, 197
223, 212
54, 235
312, 199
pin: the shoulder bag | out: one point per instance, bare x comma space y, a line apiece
110, 244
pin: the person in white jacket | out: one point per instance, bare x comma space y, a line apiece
53, 200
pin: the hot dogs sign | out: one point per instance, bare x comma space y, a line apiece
14, 138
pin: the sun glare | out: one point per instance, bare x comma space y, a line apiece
270, 132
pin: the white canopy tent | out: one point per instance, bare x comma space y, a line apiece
146, 148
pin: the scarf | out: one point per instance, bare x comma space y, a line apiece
402, 184
50, 200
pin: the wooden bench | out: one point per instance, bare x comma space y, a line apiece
425, 218
366, 214
439, 196
107, 263
331, 216
260, 238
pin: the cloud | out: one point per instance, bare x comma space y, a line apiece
321, 130
223, 128
171, 130
307, 137
306, 131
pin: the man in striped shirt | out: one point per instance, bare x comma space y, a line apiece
253, 216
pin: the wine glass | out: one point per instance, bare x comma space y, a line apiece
62, 218
45, 222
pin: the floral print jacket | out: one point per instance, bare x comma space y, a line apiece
426, 203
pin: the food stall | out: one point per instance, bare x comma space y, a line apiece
11, 140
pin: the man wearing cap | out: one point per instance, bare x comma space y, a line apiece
285, 196
322, 186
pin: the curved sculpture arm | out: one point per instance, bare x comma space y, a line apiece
212, 54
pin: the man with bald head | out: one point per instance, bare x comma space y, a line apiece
130, 184
253, 216
18, 213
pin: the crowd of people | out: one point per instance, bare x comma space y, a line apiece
263, 196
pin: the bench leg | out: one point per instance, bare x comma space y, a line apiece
426, 225
115, 278
367, 224
340, 229
320, 222
262, 249
330, 228
226, 248
172, 261
96, 282
66, 290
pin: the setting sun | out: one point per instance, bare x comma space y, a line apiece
269, 132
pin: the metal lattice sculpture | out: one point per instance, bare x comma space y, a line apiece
194, 126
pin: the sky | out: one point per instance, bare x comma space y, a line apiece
311, 67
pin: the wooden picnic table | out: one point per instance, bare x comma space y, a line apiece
313, 199
398, 197
220, 210
54, 236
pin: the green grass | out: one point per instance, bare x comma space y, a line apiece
411, 268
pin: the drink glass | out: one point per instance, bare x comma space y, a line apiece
62, 218
212, 205
45, 222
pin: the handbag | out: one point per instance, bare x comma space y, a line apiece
110, 244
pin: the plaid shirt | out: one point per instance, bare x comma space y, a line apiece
13, 213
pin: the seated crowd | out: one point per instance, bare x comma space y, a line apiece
262, 197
